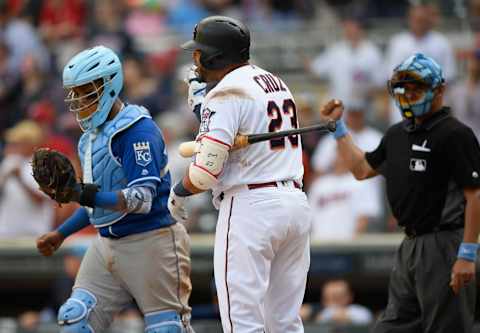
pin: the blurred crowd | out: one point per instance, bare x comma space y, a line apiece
38, 36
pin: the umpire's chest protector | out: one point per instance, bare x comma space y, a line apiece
100, 166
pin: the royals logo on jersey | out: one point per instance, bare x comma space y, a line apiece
143, 155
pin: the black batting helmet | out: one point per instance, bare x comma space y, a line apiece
222, 41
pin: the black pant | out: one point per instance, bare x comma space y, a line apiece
420, 299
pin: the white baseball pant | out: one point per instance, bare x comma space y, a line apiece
261, 258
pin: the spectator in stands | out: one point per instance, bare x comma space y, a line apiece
62, 20
342, 206
22, 39
62, 25
420, 38
29, 321
8, 83
107, 27
139, 87
33, 87
352, 65
464, 97
184, 14
473, 13
338, 307
146, 21
44, 114
24, 210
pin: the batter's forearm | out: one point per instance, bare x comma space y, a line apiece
187, 183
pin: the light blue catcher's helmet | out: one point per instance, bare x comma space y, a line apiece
413, 85
100, 67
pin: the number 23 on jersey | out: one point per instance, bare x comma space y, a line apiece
288, 109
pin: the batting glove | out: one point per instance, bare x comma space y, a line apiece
176, 206
196, 91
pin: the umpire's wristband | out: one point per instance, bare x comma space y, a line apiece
468, 251
341, 129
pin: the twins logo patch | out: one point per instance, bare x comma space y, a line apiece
142, 153
205, 120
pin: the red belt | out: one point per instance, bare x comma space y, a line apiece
270, 184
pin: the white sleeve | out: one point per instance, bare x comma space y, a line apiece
365, 198
27, 177
220, 119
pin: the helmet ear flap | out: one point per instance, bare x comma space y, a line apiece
214, 61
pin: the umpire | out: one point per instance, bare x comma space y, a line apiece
431, 162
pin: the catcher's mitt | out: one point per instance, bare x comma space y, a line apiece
55, 175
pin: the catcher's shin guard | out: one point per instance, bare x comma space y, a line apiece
164, 322
73, 315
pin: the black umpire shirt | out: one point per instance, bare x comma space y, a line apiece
426, 169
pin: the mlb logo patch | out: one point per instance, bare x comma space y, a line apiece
143, 155
417, 164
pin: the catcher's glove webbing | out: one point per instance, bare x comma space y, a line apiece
56, 177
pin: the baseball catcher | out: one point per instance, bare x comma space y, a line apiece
123, 194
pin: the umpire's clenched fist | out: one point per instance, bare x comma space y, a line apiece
332, 110
48, 243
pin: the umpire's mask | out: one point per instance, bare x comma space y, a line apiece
413, 85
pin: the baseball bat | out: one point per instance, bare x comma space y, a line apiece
188, 149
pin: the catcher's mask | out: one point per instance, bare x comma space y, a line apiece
414, 84
83, 100
93, 80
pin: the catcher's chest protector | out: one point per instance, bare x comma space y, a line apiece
106, 171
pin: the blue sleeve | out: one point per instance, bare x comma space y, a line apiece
74, 223
142, 153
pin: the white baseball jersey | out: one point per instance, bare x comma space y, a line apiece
250, 100
262, 238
